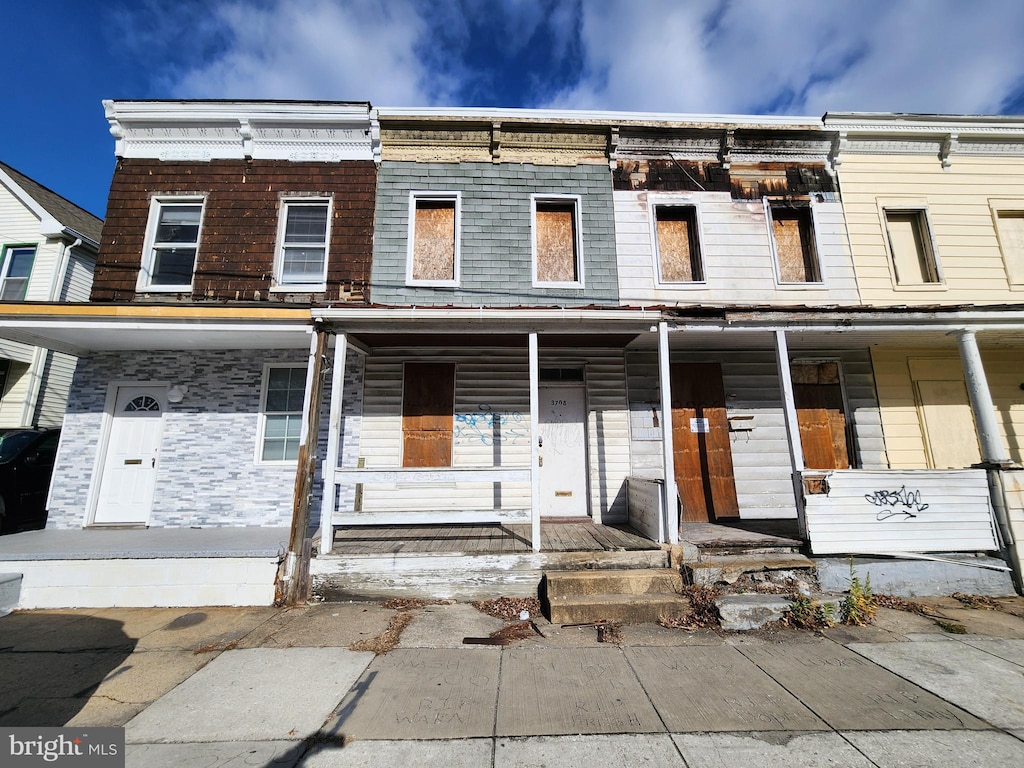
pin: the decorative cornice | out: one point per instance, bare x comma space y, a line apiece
187, 130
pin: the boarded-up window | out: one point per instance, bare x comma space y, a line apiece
434, 242
821, 415
793, 231
910, 246
428, 407
1011, 241
678, 245
556, 242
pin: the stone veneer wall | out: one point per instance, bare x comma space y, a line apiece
208, 475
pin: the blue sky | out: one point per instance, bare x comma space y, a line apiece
797, 57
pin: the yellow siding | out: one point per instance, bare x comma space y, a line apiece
959, 216
901, 420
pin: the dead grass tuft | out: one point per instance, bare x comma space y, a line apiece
896, 603
508, 608
703, 613
978, 601
609, 633
388, 639
411, 603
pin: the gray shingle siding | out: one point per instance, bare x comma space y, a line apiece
496, 249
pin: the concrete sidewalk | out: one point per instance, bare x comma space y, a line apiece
271, 687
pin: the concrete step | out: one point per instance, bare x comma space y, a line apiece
714, 569
635, 581
618, 608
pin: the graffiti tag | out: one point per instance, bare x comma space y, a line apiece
487, 426
896, 503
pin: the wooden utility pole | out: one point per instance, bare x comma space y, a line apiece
293, 575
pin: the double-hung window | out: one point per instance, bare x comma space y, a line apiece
1009, 221
303, 235
15, 271
677, 244
284, 389
172, 244
794, 245
434, 238
911, 249
557, 248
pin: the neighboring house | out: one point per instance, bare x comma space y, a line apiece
47, 254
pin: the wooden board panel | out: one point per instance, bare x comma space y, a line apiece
702, 459
434, 249
821, 415
428, 403
556, 243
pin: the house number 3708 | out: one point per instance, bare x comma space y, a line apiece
558, 402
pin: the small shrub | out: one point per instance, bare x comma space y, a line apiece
860, 605
807, 613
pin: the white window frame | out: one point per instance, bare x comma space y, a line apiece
262, 427
654, 202
5, 265
428, 196
1015, 207
577, 203
280, 286
920, 207
156, 204
769, 220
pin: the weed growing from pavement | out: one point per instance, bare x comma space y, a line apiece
860, 606
808, 613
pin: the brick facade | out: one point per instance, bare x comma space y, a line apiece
240, 223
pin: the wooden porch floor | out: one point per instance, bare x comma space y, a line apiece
485, 539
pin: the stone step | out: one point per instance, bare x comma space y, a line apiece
636, 581
714, 569
617, 608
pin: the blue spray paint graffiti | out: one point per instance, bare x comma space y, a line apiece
487, 425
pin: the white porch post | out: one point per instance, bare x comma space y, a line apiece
534, 443
796, 449
992, 449
333, 444
669, 526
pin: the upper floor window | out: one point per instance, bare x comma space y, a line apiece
910, 246
793, 242
677, 244
1010, 229
15, 271
303, 235
434, 238
557, 250
172, 244
281, 407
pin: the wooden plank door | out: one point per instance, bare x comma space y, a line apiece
702, 454
821, 415
428, 409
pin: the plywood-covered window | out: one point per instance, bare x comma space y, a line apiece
428, 408
910, 247
556, 241
796, 254
821, 415
433, 238
1010, 225
677, 244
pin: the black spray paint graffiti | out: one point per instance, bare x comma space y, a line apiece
891, 501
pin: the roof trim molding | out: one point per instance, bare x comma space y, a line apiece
48, 225
240, 130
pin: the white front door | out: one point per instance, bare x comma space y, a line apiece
948, 424
563, 452
129, 468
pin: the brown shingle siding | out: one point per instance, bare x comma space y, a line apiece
240, 222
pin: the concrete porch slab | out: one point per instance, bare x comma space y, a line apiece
551, 691
979, 682
422, 694
254, 694
850, 693
716, 689
143, 543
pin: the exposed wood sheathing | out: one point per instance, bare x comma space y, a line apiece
240, 224
556, 243
434, 249
743, 182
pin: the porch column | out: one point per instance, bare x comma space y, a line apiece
992, 449
333, 444
534, 443
669, 526
796, 449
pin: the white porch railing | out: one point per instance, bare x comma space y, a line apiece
869, 511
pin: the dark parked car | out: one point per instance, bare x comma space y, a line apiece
26, 463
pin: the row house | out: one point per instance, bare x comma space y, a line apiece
489, 323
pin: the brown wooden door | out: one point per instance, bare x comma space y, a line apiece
700, 443
821, 415
428, 407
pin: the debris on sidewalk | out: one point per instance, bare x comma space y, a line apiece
519, 631
977, 601
412, 603
388, 639
703, 612
607, 631
508, 608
